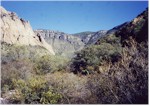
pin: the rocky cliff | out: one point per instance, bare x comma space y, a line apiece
90, 37
85, 36
15, 30
97, 35
63, 44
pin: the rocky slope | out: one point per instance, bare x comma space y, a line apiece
90, 37
96, 36
85, 36
116, 28
63, 44
15, 30
137, 29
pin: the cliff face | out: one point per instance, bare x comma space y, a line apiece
63, 44
90, 37
96, 36
85, 36
15, 30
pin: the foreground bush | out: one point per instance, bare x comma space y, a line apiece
33, 91
126, 82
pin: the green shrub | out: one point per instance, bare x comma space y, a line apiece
16, 52
34, 91
50, 97
111, 39
94, 56
20, 69
47, 63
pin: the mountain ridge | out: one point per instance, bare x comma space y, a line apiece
63, 43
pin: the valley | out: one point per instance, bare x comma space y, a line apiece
51, 67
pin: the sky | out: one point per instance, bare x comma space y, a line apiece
78, 16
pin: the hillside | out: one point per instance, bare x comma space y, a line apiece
62, 43
90, 37
85, 36
52, 67
121, 59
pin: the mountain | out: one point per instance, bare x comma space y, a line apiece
90, 37
96, 36
15, 30
118, 61
63, 44
116, 28
136, 29
105, 67
85, 36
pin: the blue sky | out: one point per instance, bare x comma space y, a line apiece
74, 17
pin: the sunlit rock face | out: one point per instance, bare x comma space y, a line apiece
15, 30
62, 43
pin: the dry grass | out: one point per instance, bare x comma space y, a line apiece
71, 86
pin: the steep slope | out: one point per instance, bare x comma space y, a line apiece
116, 28
90, 37
121, 60
137, 29
85, 36
15, 30
96, 36
63, 44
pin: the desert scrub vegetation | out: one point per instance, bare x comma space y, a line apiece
20, 69
111, 39
113, 71
90, 58
47, 64
70, 86
124, 82
121, 78
137, 29
32, 91
22, 63
41, 60
11, 52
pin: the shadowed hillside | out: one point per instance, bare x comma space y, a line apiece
121, 61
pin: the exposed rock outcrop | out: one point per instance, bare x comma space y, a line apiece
15, 30
85, 36
90, 37
63, 44
96, 36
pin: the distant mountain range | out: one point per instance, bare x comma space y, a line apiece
56, 42
63, 44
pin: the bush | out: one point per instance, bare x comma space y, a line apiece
111, 39
21, 69
125, 82
94, 56
70, 86
47, 63
16, 52
33, 91
50, 97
